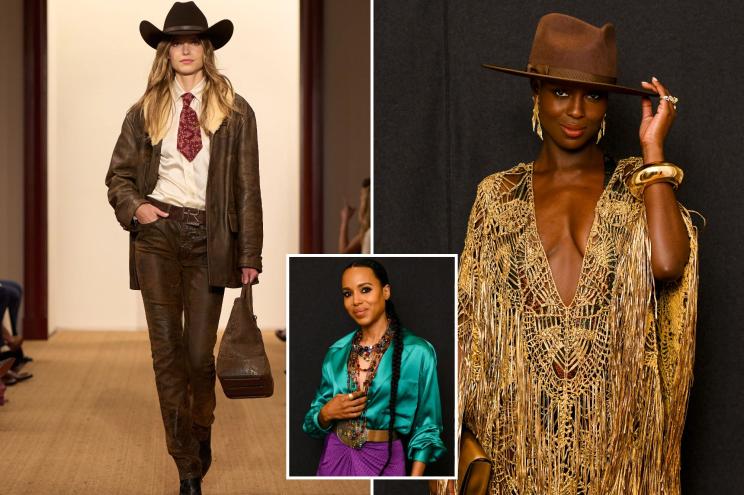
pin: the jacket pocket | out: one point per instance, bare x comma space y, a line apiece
139, 227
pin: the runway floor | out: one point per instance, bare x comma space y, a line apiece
88, 422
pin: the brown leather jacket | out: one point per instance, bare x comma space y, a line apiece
234, 215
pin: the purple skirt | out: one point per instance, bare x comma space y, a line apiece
338, 459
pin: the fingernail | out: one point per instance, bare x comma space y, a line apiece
644, 82
653, 78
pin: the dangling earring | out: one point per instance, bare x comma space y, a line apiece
536, 127
602, 128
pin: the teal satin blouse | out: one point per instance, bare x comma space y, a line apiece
418, 409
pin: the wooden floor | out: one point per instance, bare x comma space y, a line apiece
89, 423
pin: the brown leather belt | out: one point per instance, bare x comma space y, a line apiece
190, 216
380, 435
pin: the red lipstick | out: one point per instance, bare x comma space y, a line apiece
572, 132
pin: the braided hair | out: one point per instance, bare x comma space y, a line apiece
395, 328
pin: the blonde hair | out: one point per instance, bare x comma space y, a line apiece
218, 95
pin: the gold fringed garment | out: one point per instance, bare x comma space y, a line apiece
587, 398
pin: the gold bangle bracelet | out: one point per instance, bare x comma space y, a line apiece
651, 174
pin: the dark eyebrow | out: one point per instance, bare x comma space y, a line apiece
358, 285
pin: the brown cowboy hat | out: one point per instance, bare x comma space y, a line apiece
186, 18
567, 49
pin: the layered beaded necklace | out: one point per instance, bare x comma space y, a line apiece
370, 354
353, 432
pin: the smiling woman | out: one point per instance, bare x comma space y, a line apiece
576, 111
579, 279
361, 418
378, 407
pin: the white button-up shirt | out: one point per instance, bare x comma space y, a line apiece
181, 182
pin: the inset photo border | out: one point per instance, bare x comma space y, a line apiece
424, 291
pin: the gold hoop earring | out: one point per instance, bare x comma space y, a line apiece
602, 130
536, 127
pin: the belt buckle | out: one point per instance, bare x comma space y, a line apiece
352, 433
191, 216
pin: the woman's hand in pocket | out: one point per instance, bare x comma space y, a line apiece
147, 213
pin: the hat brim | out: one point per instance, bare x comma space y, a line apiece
218, 34
613, 88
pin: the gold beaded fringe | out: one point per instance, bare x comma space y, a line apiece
588, 398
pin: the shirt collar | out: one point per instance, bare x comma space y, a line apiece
178, 91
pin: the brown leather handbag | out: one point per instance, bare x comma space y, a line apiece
474, 467
242, 365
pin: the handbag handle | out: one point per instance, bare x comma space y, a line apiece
246, 294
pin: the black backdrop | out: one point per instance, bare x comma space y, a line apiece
442, 123
423, 289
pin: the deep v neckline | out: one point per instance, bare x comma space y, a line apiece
588, 244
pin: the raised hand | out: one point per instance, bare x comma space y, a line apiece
346, 212
655, 126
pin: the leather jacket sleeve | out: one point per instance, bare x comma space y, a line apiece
121, 179
248, 194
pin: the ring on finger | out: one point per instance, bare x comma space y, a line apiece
671, 99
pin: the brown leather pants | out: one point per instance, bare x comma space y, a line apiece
182, 312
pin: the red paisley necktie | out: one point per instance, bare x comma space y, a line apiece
189, 134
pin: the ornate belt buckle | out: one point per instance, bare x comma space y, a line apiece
352, 433
191, 216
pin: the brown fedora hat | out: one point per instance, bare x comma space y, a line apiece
570, 50
186, 18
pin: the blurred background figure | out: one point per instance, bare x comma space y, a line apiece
10, 348
360, 243
10, 299
5, 366
11, 352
